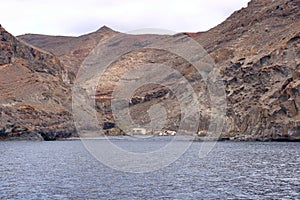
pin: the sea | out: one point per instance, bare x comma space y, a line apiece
69, 170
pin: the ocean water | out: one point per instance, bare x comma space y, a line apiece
232, 170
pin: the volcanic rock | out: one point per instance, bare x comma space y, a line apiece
34, 97
256, 50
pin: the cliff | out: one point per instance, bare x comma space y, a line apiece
257, 50
34, 99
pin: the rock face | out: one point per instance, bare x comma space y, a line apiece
148, 95
257, 50
34, 100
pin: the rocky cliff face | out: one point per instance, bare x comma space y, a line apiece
34, 99
257, 50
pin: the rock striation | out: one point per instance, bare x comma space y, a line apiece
258, 51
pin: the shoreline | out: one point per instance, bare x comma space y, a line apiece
137, 137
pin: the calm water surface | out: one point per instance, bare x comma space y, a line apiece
65, 170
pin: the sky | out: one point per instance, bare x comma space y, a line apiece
77, 17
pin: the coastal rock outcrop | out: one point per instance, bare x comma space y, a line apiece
258, 52
34, 99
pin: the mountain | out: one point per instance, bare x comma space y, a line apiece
146, 96
256, 50
71, 51
35, 98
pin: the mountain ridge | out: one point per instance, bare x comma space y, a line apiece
256, 50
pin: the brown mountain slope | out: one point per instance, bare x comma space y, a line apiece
150, 51
71, 51
152, 94
256, 50
34, 100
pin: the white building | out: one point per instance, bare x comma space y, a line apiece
139, 131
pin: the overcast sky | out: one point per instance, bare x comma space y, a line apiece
76, 17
